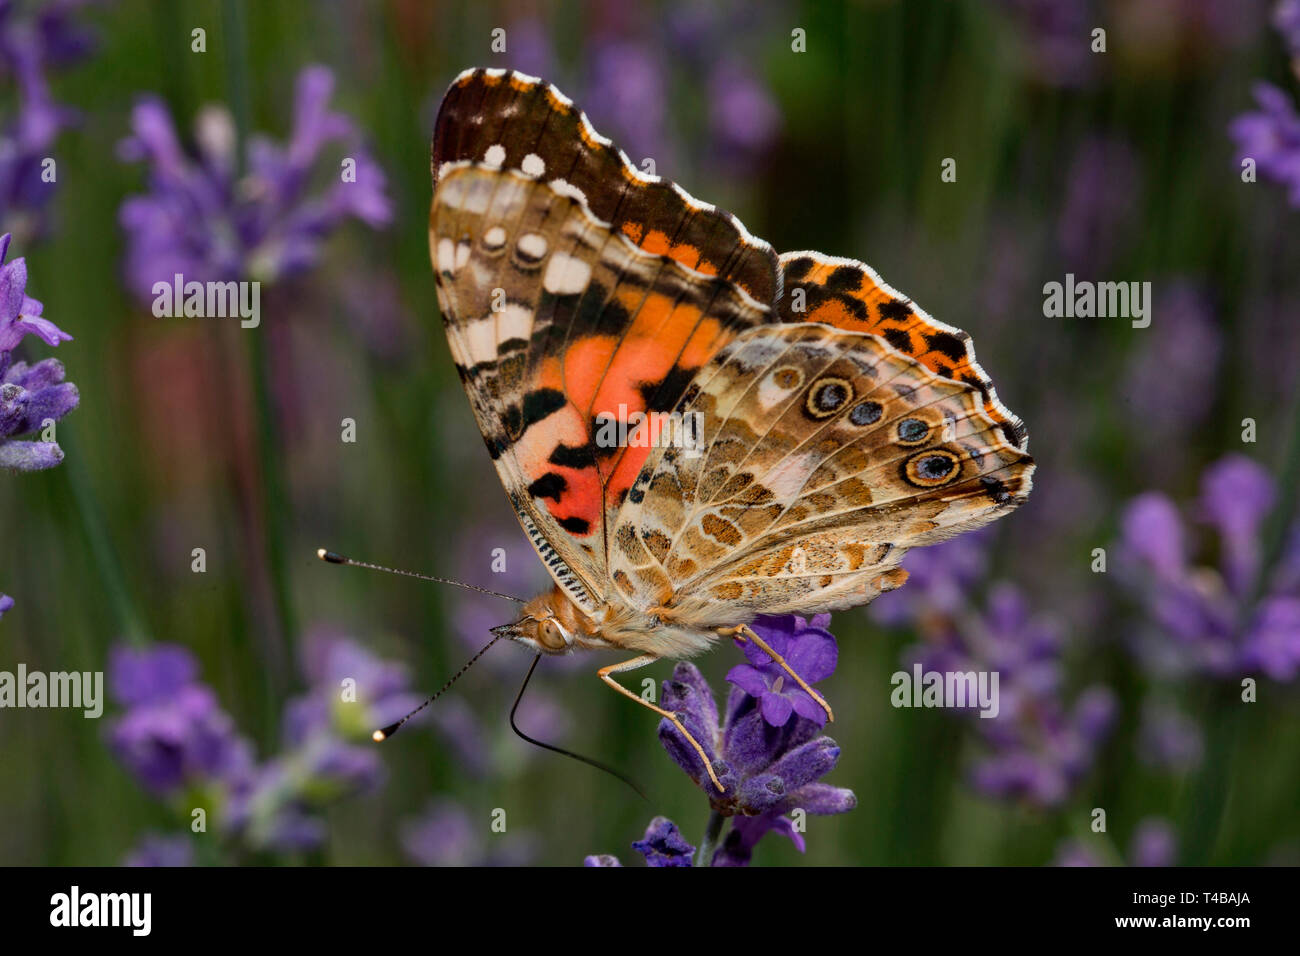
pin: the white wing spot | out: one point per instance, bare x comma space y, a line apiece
533, 165
566, 274
532, 245
495, 156
494, 238
446, 255
462, 255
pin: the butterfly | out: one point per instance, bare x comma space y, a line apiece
834, 424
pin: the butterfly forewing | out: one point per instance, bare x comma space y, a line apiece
558, 325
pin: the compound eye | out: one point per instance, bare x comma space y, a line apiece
551, 635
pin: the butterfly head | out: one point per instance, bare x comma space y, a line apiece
550, 624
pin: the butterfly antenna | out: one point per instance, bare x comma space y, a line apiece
333, 557
383, 733
560, 750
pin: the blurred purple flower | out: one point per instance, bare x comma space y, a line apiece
742, 114
445, 835
1168, 739
530, 48
1286, 19
173, 733
1204, 619
1057, 37
809, 650
1153, 843
1037, 747
601, 859
6, 604
353, 691
767, 771
1102, 196
204, 221
28, 44
939, 580
626, 94
1170, 381
1271, 137
156, 850
663, 845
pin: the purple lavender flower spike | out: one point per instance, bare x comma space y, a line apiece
6, 604
1236, 496
173, 733
1271, 137
601, 859
1154, 843
1206, 619
767, 771
663, 845
30, 396
1286, 19
810, 651
199, 221
157, 850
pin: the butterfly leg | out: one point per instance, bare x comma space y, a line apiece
642, 661
744, 632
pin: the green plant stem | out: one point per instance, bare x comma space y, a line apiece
274, 500
712, 835
100, 545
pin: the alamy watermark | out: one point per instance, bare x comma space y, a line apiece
1101, 300
651, 430
81, 690
208, 300
954, 689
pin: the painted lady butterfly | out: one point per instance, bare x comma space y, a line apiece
839, 425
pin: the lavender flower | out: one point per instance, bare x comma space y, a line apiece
29, 395
1271, 137
173, 733
6, 604
1286, 19
1055, 34
1102, 194
157, 849
1168, 739
203, 220
323, 760
174, 736
1204, 619
662, 845
1037, 747
1170, 381
767, 771
1153, 843
809, 650
445, 835
28, 44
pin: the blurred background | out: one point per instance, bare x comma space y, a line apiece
218, 154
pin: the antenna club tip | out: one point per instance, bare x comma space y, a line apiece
378, 736
333, 557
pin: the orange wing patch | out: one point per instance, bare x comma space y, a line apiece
657, 242
849, 295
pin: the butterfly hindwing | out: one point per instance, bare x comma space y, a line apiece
850, 295
558, 324
509, 120
826, 455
